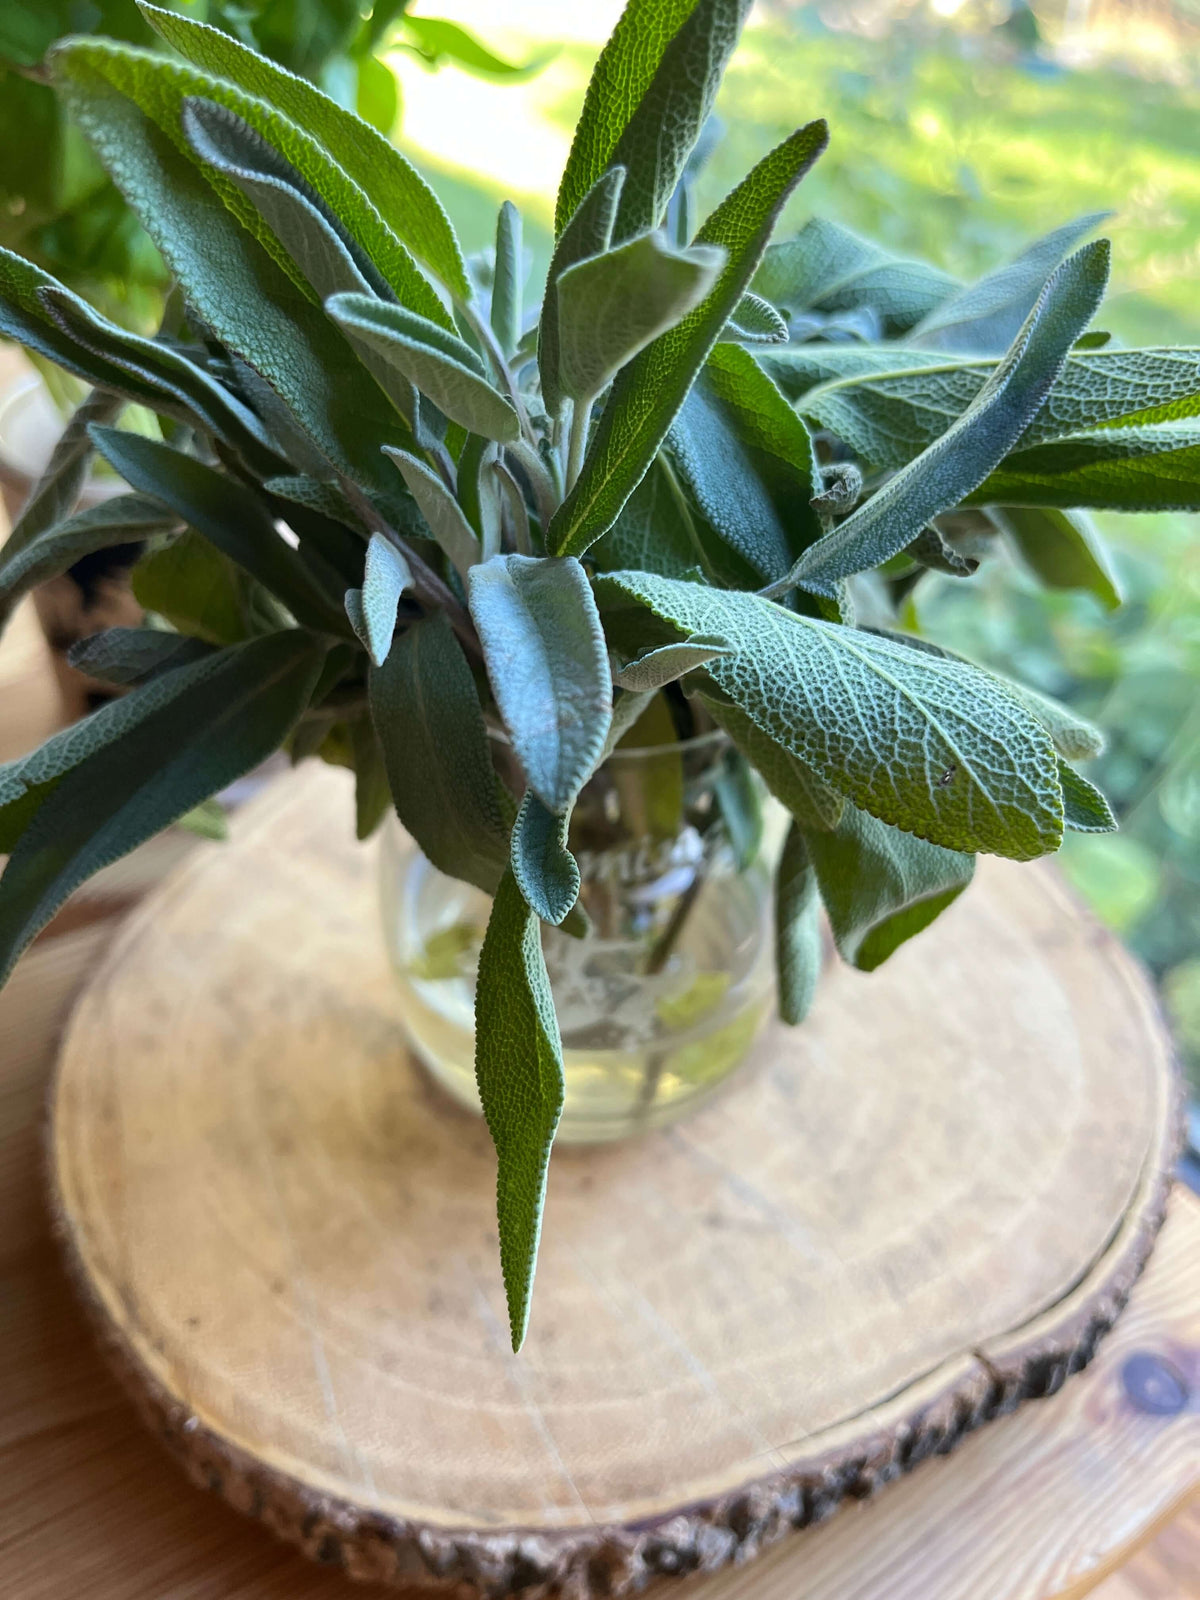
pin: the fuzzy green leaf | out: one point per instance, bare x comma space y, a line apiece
650, 390
799, 368
985, 316
445, 369
435, 745
1085, 810
547, 873
372, 795
928, 744
507, 279
519, 1071
961, 459
748, 462
125, 519
235, 708
372, 609
446, 519
390, 183
797, 928
656, 668
612, 305
622, 75
129, 656
826, 268
1155, 467
811, 802
1063, 548
588, 233
881, 886
195, 588
756, 322
547, 663
232, 283
654, 531
226, 514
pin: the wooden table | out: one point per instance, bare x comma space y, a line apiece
1043, 1504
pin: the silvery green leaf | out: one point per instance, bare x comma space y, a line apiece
1063, 548
930, 549
985, 316
387, 179
748, 463
372, 611
654, 531
158, 86
125, 519
931, 745
547, 663
547, 873
841, 490
961, 459
586, 234
612, 305
232, 284
656, 668
226, 514
1151, 467
129, 656
444, 368
881, 886
799, 368
320, 536
1085, 810
756, 322
186, 735
519, 1071
650, 390
796, 786
435, 745
507, 279
441, 511
316, 495
621, 76
797, 929
827, 269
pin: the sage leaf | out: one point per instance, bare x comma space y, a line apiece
129, 656
447, 522
929, 744
811, 802
656, 668
1085, 810
125, 519
647, 769
826, 268
986, 315
507, 279
224, 513
445, 369
741, 808
1063, 548
514, 502
372, 611
1155, 467
881, 886
547, 663
372, 794
195, 587
654, 530
586, 234
797, 928
931, 549
756, 322
519, 1071
748, 462
622, 75
961, 459
546, 872
612, 305
800, 368
650, 390
238, 290
235, 709
390, 183
430, 726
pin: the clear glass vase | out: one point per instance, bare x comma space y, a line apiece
659, 1002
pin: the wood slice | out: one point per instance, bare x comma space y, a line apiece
900, 1220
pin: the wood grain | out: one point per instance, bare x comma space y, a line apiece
922, 1208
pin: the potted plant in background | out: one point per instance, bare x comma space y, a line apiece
60, 208
568, 591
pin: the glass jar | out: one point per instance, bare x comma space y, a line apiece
660, 1000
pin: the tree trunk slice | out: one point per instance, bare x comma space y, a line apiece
901, 1220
